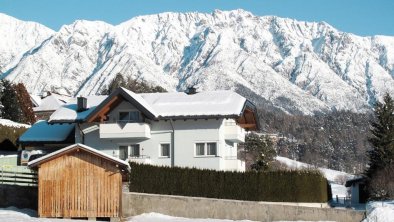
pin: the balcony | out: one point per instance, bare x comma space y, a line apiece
234, 133
140, 159
232, 163
125, 130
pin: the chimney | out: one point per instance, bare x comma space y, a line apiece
191, 90
82, 104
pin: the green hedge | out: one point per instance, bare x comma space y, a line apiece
9, 136
278, 186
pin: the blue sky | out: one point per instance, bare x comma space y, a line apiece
362, 17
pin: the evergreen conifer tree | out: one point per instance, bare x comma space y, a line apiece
9, 99
382, 140
262, 150
131, 84
25, 104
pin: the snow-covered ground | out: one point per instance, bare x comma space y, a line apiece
153, 217
333, 176
12, 214
339, 190
7, 122
378, 211
26, 215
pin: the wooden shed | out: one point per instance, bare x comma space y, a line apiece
79, 182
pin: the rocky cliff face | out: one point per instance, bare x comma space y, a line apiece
299, 67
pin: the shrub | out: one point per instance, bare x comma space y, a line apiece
278, 186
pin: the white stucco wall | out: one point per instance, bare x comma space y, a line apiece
187, 134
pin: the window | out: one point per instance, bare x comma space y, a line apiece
123, 116
135, 150
200, 149
206, 149
130, 116
123, 152
165, 150
211, 149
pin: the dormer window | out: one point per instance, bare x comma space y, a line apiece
129, 116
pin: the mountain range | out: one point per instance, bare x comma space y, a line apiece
298, 67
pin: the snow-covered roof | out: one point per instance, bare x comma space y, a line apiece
67, 149
163, 105
139, 99
208, 103
41, 131
36, 100
10, 123
68, 112
49, 103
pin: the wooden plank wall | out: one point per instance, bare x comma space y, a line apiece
79, 184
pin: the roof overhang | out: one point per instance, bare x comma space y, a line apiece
248, 118
77, 148
114, 99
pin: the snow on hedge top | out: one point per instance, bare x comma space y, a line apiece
208, 103
41, 131
165, 105
331, 175
68, 112
7, 122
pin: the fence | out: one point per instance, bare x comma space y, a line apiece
341, 201
17, 175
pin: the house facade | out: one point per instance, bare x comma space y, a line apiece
199, 130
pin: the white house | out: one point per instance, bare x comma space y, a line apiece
175, 129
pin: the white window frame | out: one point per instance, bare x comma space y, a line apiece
206, 149
139, 149
169, 150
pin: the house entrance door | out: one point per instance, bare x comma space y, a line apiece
123, 152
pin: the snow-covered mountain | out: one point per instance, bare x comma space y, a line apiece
300, 67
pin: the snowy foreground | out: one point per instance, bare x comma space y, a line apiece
380, 211
24, 215
376, 211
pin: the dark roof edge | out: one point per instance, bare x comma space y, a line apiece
125, 95
249, 104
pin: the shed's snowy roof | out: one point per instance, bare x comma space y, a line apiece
164, 105
76, 146
41, 131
